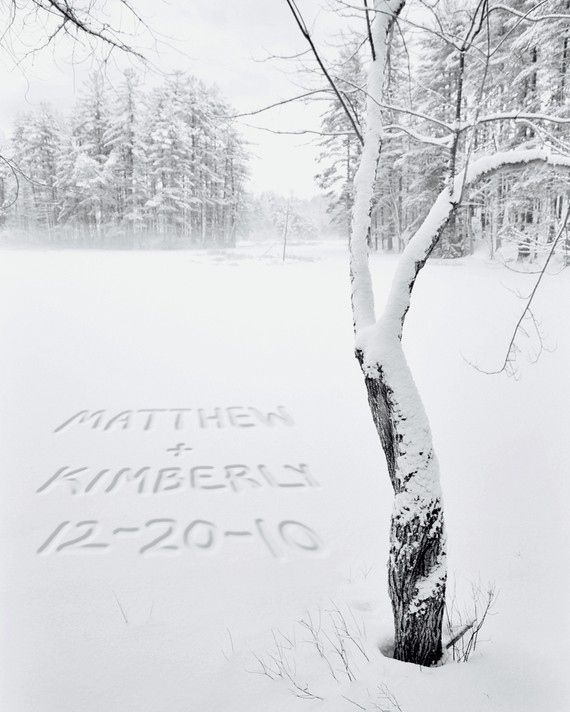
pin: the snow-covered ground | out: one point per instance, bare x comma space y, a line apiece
169, 616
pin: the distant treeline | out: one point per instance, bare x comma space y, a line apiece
127, 168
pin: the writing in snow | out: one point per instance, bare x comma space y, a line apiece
177, 418
157, 480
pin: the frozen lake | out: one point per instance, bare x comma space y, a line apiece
189, 464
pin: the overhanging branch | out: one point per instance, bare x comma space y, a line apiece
307, 35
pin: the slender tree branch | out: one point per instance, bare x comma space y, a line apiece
426, 237
369, 31
307, 35
299, 97
511, 348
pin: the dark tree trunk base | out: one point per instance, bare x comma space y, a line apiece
416, 567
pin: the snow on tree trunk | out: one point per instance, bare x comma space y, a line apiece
362, 295
417, 561
416, 567
417, 570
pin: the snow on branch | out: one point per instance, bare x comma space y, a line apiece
528, 16
515, 116
424, 240
516, 157
362, 295
397, 109
397, 129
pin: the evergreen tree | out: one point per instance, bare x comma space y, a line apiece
124, 139
129, 167
36, 143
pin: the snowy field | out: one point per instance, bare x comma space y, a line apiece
177, 546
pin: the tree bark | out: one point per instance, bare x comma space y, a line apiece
417, 559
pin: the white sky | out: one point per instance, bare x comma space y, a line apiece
219, 42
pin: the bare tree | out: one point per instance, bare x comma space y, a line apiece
90, 24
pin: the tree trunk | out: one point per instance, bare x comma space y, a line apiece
417, 560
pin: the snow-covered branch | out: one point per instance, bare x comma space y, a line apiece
426, 237
514, 116
362, 296
395, 129
397, 109
528, 16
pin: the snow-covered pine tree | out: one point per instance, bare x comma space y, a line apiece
234, 173
35, 144
168, 168
124, 138
168, 152
86, 171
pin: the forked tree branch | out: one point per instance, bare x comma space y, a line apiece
84, 21
426, 237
